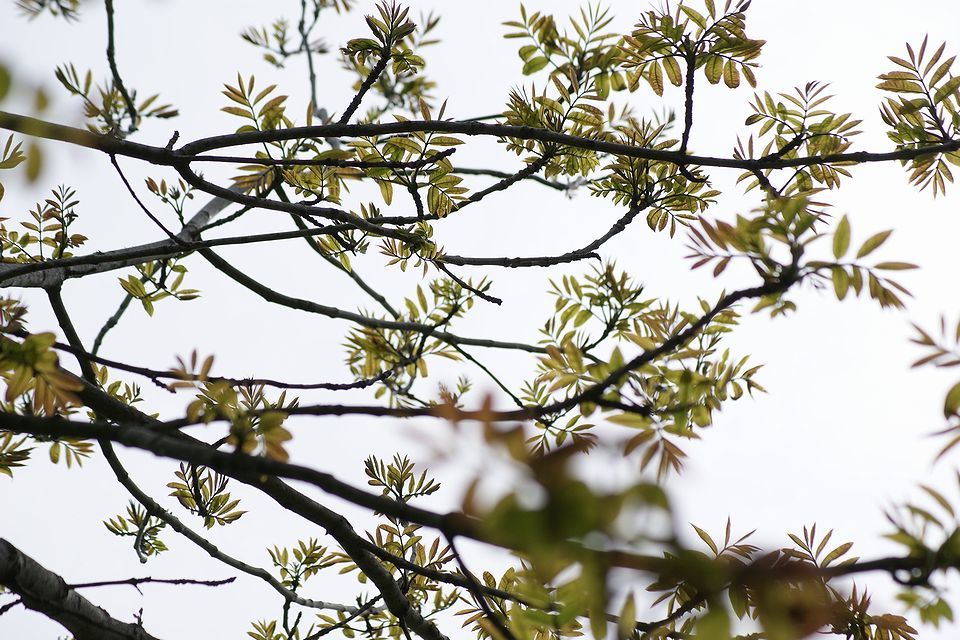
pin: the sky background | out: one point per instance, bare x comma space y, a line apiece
841, 436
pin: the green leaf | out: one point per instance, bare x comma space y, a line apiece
706, 538
951, 405
948, 88
836, 553
713, 69
628, 618
527, 51
445, 141
841, 238
694, 16
386, 191
715, 624
4, 81
841, 282
34, 162
738, 600
873, 242
654, 76
731, 76
534, 64
672, 68
941, 71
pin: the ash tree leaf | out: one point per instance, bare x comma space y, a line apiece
713, 69
841, 238
836, 553
534, 64
948, 89
951, 405
873, 242
731, 75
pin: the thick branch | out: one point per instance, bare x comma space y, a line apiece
186, 153
46, 592
375, 72
546, 135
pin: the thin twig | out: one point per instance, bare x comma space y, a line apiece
176, 239
115, 72
136, 582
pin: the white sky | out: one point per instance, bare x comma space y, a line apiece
841, 435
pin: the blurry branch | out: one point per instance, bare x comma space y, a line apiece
264, 473
46, 592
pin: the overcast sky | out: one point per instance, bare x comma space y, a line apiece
841, 435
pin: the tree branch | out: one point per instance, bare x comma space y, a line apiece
46, 592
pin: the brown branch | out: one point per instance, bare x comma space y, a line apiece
350, 273
476, 590
116, 165
109, 406
335, 524
306, 211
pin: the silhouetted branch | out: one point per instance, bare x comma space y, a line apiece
46, 592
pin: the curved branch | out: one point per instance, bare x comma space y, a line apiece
583, 253
276, 297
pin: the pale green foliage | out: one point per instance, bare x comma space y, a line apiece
204, 493
144, 529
